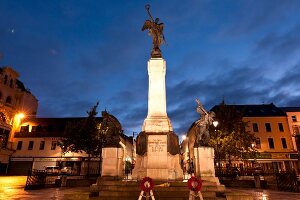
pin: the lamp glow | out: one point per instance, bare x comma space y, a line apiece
215, 123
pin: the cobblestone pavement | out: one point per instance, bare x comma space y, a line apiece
12, 187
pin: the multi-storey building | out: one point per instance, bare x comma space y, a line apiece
36, 146
273, 137
293, 115
14, 100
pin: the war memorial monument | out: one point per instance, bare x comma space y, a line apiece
157, 146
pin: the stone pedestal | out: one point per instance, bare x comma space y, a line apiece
157, 162
204, 164
112, 162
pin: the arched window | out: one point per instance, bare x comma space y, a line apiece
11, 83
2, 117
5, 79
8, 100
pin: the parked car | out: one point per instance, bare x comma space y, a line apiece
66, 170
52, 169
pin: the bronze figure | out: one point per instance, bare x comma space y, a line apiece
156, 32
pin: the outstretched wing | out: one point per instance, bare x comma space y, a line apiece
147, 25
161, 27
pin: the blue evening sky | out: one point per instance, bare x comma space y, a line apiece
73, 53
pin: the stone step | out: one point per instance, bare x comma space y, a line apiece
137, 188
160, 194
175, 184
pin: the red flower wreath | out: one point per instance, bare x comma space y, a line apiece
147, 184
195, 184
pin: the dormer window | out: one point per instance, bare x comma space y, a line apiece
8, 100
5, 79
11, 83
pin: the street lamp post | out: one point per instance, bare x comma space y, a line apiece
215, 123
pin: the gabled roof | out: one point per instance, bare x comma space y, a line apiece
260, 110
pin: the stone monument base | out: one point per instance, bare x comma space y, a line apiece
204, 164
172, 171
112, 162
157, 156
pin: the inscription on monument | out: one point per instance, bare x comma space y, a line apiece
157, 144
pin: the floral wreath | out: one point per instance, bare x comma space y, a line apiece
147, 184
195, 184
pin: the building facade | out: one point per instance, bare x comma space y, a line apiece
36, 147
273, 137
14, 100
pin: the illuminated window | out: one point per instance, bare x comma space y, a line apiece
42, 145
2, 117
280, 126
30, 145
268, 127
255, 127
53, 145
294, 118
283, 142
271, 143
19, 146
257, 143
296, 130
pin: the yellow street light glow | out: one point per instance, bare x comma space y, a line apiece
21, 115
183, 137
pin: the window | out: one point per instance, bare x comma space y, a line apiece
294, 118
280, 126
257, 143
19, 146
255, 127
271, 143
30, 145
2, 117
11, 83
53, 145
24, 129
296, 130
5, 79
283, 142
8, 100
268, 127
42, 145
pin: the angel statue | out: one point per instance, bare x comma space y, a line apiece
156, 32
206, 119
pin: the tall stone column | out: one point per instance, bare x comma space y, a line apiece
157, 119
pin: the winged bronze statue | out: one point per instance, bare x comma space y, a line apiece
156, 32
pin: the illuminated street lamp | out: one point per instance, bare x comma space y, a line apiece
215, 123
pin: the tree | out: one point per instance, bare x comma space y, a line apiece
231, 138
84, 136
